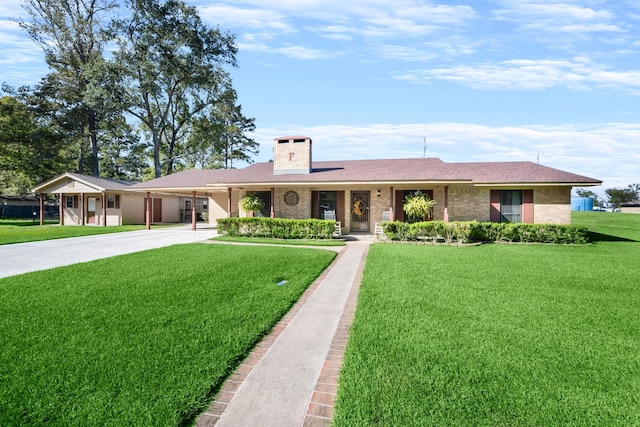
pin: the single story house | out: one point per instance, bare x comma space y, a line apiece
630, 207
360, 191
89, 200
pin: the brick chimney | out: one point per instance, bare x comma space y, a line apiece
292, 155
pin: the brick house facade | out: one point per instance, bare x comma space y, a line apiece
359, 191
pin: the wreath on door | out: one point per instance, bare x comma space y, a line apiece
359, 207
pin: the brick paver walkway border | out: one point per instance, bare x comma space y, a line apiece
320, 411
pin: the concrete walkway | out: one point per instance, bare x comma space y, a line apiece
26, 257
290, 379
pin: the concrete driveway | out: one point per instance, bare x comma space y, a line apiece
26, 257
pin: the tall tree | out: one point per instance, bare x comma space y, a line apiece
220, 136
168, 68
123, 157
30, 152
70, 32
617, 196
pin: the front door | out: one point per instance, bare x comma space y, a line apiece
91, 210
155, 215
360, 211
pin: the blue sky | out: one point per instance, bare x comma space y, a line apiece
551, 81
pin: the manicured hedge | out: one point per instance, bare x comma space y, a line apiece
278, 228
469, 232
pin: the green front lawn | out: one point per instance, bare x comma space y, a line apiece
523, 335
143, 339
21, 231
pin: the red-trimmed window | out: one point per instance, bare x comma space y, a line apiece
511, 206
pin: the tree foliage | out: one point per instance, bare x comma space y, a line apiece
167, 69
220, 135
70, 32
30, 152
617, 196
152, 85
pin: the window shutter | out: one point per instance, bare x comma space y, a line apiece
340, 195
75, 202
117, 201
315, 204
494, 215
527, 206
398, 214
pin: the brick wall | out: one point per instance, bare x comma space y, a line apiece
468, 204
552, 205
300, 211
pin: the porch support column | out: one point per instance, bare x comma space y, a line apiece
41, 208
229, 202
446, 203
193, 211
61, 200
82, 209
272, 210
104, 208
147, 210
391, 203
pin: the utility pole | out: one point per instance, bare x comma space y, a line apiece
424, 150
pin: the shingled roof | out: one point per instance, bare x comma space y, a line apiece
374, 171
100, 184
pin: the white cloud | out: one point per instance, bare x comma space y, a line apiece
261, 19
529, 74
558, 17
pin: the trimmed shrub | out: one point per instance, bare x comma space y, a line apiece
468, 232
278, 228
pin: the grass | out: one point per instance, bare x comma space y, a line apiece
143, 339
498, 335
295, 242
21, 231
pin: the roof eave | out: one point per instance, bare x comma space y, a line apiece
537, 184
334, 183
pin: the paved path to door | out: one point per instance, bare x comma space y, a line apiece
291, 377
26, 257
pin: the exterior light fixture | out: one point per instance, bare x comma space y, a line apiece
378, 192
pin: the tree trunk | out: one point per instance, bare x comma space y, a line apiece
156, 154
93, 139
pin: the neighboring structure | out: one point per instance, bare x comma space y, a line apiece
630, 207
359, 191
24, 207
88, 200
581, 203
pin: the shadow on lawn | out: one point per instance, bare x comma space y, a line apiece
599, 237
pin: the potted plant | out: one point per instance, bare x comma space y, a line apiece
251, 204
418, 206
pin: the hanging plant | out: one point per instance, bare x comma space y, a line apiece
251, 203
418, 206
